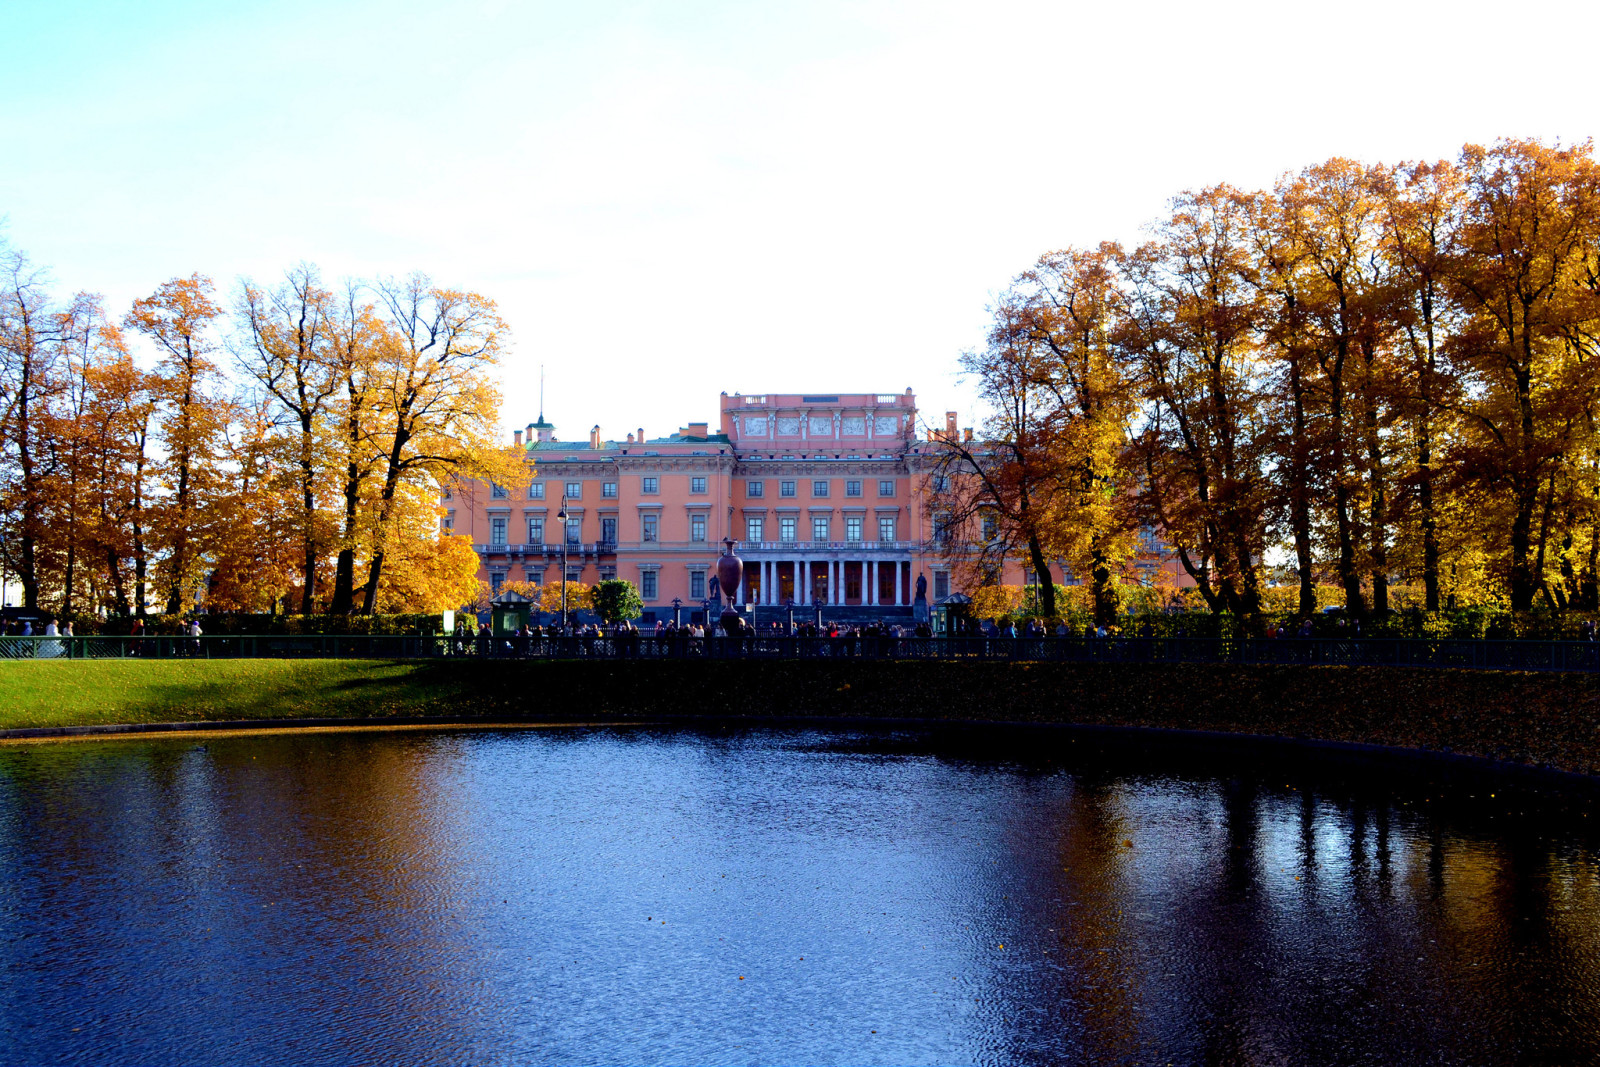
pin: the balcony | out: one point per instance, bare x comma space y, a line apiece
546, 550
789, 549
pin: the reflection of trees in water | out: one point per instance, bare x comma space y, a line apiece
263, 879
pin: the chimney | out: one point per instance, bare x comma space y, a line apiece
966, 435
699, 429
630, 438
516, 435
530, 433
594, 438
951, 432
641, 435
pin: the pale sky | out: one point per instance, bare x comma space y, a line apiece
673, 199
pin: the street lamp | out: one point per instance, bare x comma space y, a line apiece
561, 517
676, 606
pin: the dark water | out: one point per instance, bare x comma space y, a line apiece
654, 895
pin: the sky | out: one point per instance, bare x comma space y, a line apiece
671, 200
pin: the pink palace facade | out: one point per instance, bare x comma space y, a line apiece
824, 494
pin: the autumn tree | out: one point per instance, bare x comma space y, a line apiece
1523, 274
436, 407
1205, 432
179, 319
288, 349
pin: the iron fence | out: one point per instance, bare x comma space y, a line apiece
1390, 652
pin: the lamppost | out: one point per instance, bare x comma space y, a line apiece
676, 605
561, 517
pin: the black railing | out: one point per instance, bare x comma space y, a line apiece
1395, 652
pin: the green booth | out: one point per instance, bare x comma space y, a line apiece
509, 612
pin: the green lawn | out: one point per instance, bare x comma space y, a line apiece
82, 692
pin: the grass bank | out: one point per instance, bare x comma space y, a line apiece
1544, 719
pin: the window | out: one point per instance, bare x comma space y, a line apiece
650, 485
647, 584
499, 492
608, 574
786, 529
786, 489
535, 490
574, 490
648, 530
941, 527
697, 527
753, 529
608, 529
886, 487
533, 577
535, 531
819, 529
574, 531
991, 526
754, 488
886, 529
697, 484
497, 530
447, 494
449, 520
574, 574
852, 529
608, 490
697, 585
941, 483
941, 584
496, 580
819, 488
852, 488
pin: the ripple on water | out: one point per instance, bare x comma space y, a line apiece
764, 895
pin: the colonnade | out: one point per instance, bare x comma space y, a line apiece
804, 570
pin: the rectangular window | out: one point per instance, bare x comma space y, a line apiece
574, 531
574, 490
753, 529
535, 490
786, 528
941, 483
991, 526
608, 574
533, 577
648, 530
697, 527
608, 490
650, 485
754, 488
449, 520
697, 484
886, 529
941, 584
852, 529
497, 530
647, 584
496, 580
447, 494
886, 487
819, 488
786, 489
574, 574
852, 488
941, 527
499, 492
608, 529
697, 585
535, 531
819, 529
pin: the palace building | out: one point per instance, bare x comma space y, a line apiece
825, 495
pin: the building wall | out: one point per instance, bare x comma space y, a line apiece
655, 511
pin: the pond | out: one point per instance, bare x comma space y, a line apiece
757, 895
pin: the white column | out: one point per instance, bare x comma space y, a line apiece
768, 567
896, 566
835, 581
802, 582
872, 584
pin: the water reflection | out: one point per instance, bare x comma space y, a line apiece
736, 896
